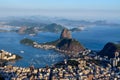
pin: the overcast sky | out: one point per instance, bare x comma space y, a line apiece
86, 9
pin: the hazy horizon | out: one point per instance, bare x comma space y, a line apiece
74, 9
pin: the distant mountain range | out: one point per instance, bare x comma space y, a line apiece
51, 24
47, 28
33, 21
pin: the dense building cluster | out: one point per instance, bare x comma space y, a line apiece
36, 45
87, 68
4, 55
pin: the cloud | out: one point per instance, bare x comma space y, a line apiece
70, 13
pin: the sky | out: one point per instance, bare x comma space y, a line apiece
76, 9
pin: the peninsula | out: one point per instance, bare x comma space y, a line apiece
65, 43
7, 56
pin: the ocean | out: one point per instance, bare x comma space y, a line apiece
93, 38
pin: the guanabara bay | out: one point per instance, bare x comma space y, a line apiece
59, 40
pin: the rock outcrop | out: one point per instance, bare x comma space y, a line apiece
65, 34
110, 49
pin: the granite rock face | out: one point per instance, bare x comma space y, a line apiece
65, 34
110, 49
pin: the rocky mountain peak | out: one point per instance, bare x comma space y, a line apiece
65, 34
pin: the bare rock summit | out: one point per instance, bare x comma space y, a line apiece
65, 34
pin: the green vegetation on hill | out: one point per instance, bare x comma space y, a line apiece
53, 28
27, 41
30, 30
109, 49
69, 62
118, 64
66, 40
75, 29
46, 28
18, 57
1, 77
52, 42
70, 45
118, 46
73, 62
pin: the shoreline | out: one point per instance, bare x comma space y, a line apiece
76, 68
47, 46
